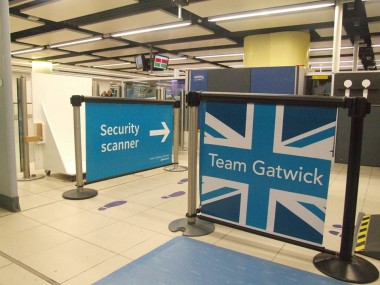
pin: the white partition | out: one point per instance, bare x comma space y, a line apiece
51, 106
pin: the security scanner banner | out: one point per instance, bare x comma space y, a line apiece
126, 138
266, 167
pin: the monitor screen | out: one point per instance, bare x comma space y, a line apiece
160, 62
140, 62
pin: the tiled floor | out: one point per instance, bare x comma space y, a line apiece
58, 241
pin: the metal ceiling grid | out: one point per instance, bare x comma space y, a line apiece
41, 23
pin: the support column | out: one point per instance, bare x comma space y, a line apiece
338, 22
277, 49
8, 178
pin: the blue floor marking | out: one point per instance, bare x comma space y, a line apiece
185, 261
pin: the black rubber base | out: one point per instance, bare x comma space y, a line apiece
199, 228
358, 270
75, 194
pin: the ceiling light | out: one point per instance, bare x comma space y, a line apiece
273, 11
327, 48
152, 28
219, 55
113, 64
27, 50
376, 46
178, 58
330, 62
92, 39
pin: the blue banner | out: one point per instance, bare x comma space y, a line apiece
126, 138
267, 167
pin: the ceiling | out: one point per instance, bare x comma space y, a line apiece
42, 24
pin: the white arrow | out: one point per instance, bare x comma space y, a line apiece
164, 132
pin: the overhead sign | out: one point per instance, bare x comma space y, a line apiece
126, 138
267, 167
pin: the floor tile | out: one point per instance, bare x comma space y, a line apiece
81, 241
4, 212
122, 191
146, 246
31, 241
33, 201
158, 196
297, 257
219, 233
69, 259
119, 237
99, 271
93, 203
82, 223
250, 244
4, 262
123, 211
15, 223
16, 275
154, 220
51, 212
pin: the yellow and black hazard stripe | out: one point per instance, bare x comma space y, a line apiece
363, 231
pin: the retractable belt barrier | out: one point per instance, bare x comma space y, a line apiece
123, 136
264, 168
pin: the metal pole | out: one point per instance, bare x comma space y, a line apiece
193, 162
352, 184
356, 54
346, 266
175, 167
23, 132
78, 148
79, 193
192, 226
23, 126
183, 111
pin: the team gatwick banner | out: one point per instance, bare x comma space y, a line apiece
267, 167
126, 138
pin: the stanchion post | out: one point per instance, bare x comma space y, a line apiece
183, 119
346, 266
23, 131
175, 167
191, 225
79, 193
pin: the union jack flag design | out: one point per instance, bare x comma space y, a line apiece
267, 167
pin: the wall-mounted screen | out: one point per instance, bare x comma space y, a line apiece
140, 62
160, 62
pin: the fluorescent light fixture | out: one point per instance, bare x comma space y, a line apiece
330, 62
327, 48
152, 28
203, 67
27, 50
113, 64
219, 55
273, 11
22, 63
376, 46
93, 71
177, 58
70, 43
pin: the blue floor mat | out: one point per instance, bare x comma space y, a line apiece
185, 261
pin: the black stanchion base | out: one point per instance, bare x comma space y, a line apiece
199, 228
358, 270
76, 194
